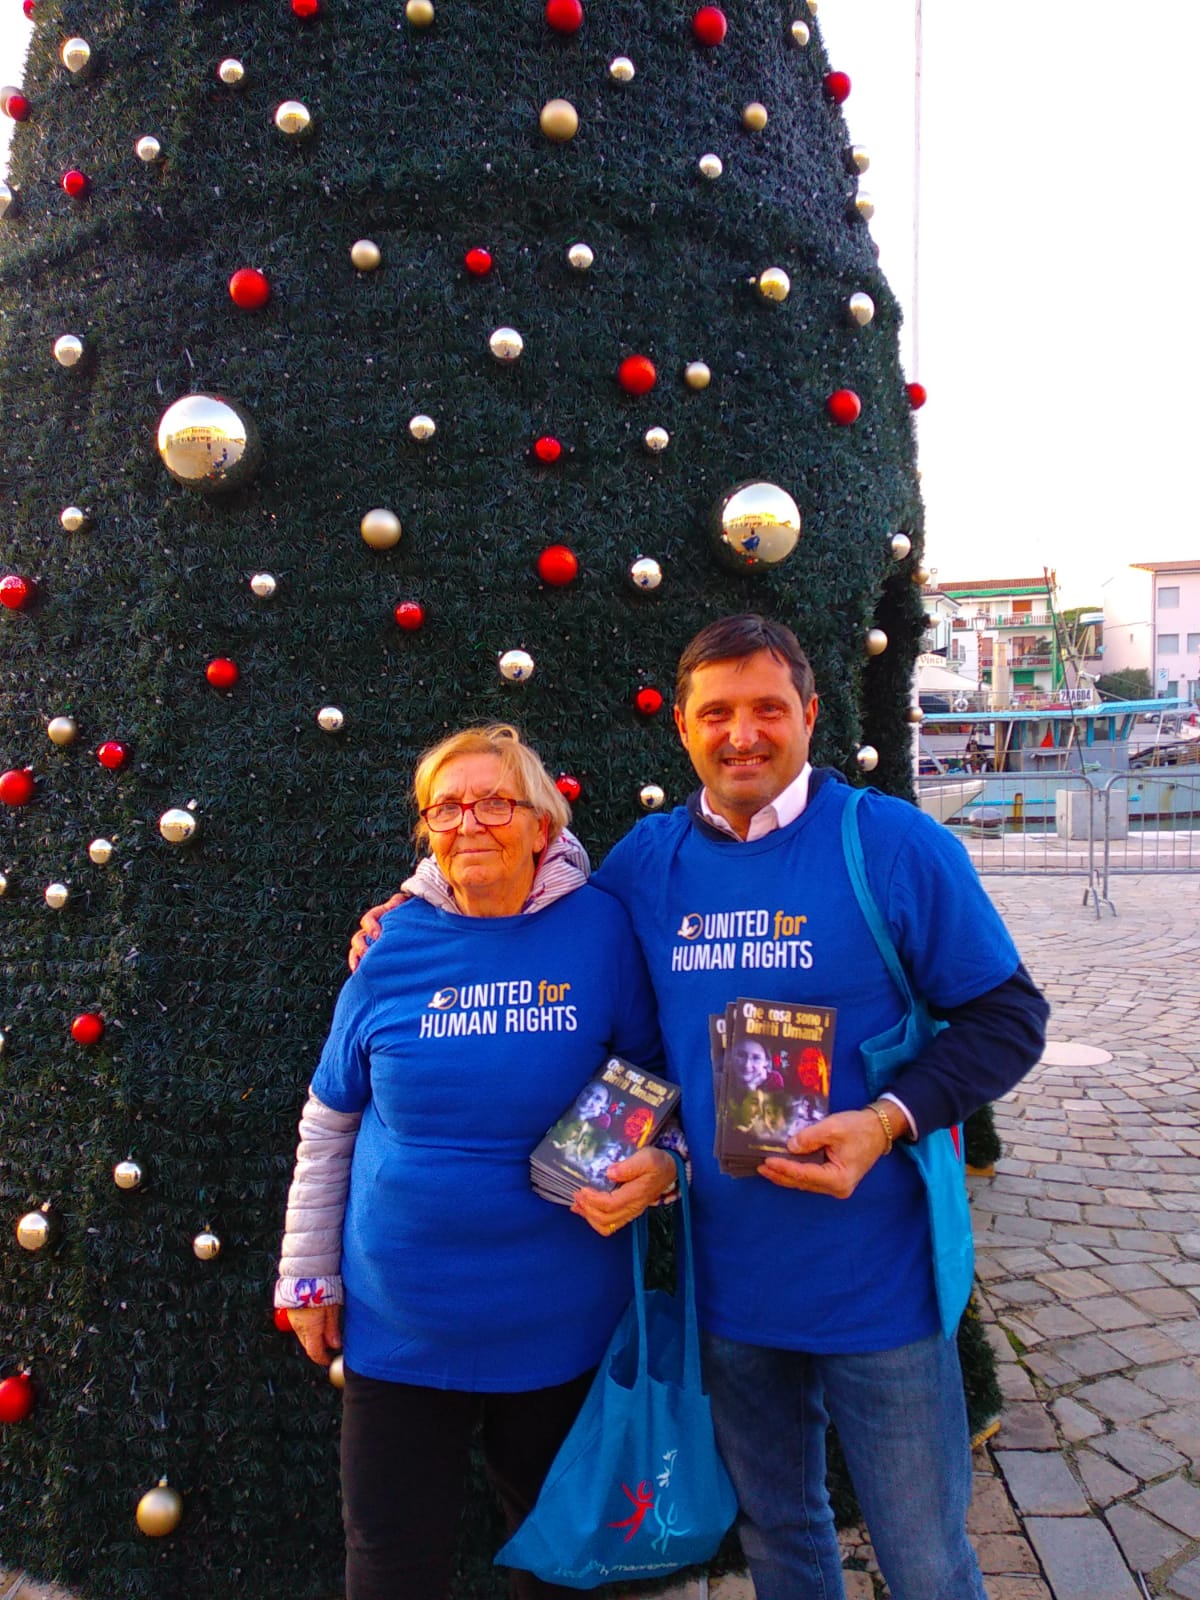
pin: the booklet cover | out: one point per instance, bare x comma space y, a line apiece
618, 1111
774, 1080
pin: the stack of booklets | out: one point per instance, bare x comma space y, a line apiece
618, 1111
771, 1063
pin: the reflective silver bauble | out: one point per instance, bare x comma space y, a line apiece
656, 440
178, 825
697, 375
901, 546
621, 68
422, 428
206, 1247
864, 206
506, 344
581, 256
160, 1510
3, 884
209, 442
755, 524
801, 32
331, 719
861, 308
293, 119
1, 1041
337, 1372
231, 71
148, 148
263, 584
860, 160
61, 730
73, 518
711, 166
100, 851
76, 53
867, 757
365, 254
68, 350
774, 284
380, 528
56, 895
127, 1175
876, 641
35, 1230
645, 573
754, 116
652, 797
516, 666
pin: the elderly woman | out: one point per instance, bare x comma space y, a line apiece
491, 995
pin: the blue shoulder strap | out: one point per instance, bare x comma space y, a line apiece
856, 866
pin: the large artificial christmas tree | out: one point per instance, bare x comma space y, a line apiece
534, 286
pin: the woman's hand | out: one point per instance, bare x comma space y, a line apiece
370, 928
644, 1178
319, 1330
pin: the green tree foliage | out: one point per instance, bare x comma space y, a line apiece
1131, 683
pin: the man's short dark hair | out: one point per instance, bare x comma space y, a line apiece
732, 639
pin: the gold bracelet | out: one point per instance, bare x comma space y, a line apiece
885, 1124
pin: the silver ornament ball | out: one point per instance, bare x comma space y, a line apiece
148, 148
774, 284
76, 53
580, 256
56, 895
206, 1246
864, 206
711, 166
621, 68
209, 442
867, 757
337, 1372
127, 1175
506, 344
901, 546
68, 350
516, 666
100, 851
756, 524
801, 32
73, 518
3, 884
35, 1231
231, 72
652, 797
645, 573
331, 719
422, 428
263, 585
656, 440
293, 119
860, 308
860, 160
178, 825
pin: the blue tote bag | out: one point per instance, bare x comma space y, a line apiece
637, 1489
938, 1155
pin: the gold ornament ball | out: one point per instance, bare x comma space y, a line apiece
774, 284
293, 119
419, 13
867, 757
177, 825
801, 32
506, 344
812, 6
76, 53
580, 256
711, 166
921, 575
365, 254
516, 666
422, 428
209, 443
756, 524
68, 350
100, 851
645, 573
206, 1246
860, 159
652, 797
160, 1510
148, 148
331, 719
337, 1373
622, 69
656, 440
263, 585
231, 72
35, 1231
901, 546
380, 528
61, 730
559, 121
754, 116
127, 1175
876, 641
861, 308
864, 205
56, 895
697, 375
916, 715
73, 518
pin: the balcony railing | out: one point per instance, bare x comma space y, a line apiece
1012, 619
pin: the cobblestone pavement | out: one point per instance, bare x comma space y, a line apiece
1089, 1260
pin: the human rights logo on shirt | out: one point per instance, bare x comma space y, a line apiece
519, 1005
749, 940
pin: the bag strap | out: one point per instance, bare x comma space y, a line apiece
856, 866
685, 1281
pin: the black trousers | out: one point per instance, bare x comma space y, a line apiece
405, 1453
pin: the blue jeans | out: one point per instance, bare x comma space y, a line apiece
902, 1424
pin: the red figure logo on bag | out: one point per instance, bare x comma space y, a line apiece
641, 1502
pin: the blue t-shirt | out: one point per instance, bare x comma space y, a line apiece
461, 1040
776, 919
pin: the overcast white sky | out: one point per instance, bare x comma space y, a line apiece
1057, 336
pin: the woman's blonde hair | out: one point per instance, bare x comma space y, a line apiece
520, 767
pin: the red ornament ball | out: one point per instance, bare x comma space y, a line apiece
844, 407
16, 1398
88, 1028
837, 87
17, 106
410, 615
249, 289
648, 700
221, 672
281, 1319
636, 375
15, 592
306, 8
28, 7
709, 25
113, 754
478, 262
17, 786
564, 16
547, 449
917, 396
557, 565
75, 183
569, 787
